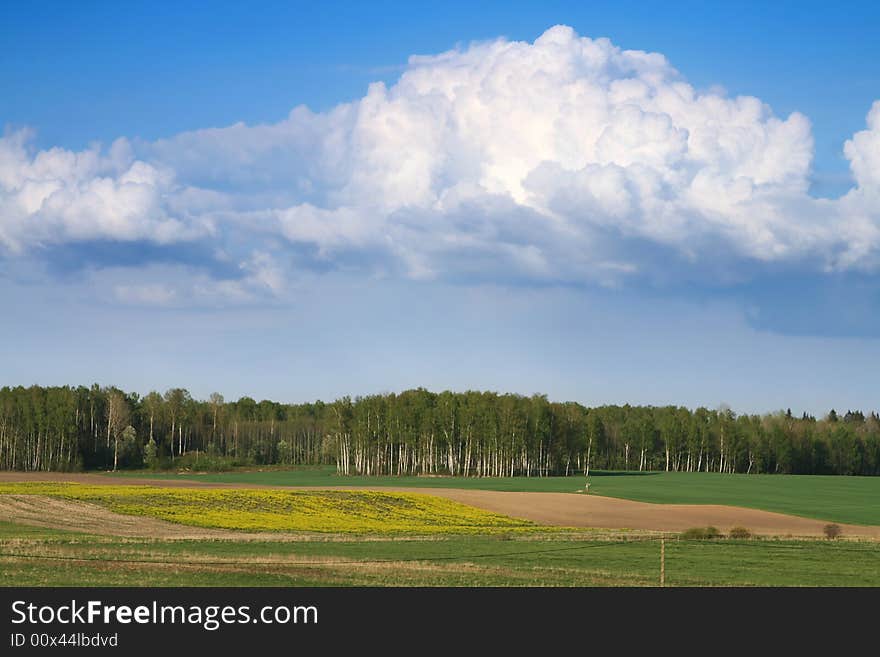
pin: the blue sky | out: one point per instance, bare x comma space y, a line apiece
532, 211
91, 71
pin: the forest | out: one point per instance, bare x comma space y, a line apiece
418, 432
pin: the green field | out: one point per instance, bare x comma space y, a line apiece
36, 557
853, 500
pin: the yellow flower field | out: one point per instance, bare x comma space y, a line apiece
286, 510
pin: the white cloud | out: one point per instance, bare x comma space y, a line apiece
863, 152
509, 160
58, 196
260, 279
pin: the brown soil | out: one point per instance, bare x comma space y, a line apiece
555, 509
571, 510
42, 511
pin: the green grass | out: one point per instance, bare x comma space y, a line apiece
10, 531
82, 560
853, 500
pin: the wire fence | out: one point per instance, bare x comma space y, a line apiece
663, 541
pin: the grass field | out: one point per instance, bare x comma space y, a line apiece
374, 538
853, 500
37, 557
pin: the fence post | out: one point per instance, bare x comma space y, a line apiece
662, 562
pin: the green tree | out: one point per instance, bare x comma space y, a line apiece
151, 455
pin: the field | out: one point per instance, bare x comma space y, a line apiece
351, 512
69, 530
44, 557
854, 500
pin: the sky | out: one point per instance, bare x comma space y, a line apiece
604, 202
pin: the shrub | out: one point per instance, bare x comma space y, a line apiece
151, 455
206, 462
700, 533
832, 531
739, 532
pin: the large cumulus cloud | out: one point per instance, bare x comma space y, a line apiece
564, 160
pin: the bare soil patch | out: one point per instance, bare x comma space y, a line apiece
76, 516
53, 513
572, 510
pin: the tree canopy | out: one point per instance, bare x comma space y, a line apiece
421, 432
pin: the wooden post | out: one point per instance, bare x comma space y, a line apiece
662, 562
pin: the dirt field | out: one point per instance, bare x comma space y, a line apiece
555, 509
42, 511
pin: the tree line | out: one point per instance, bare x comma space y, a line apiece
420, 432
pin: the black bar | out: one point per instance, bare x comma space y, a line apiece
451, 619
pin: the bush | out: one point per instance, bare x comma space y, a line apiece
739, 532
832, 531
194, 462
151, 455
700, 533
204, 462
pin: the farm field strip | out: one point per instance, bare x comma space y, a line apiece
833, 498
545, 509
349, 511
36, 557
